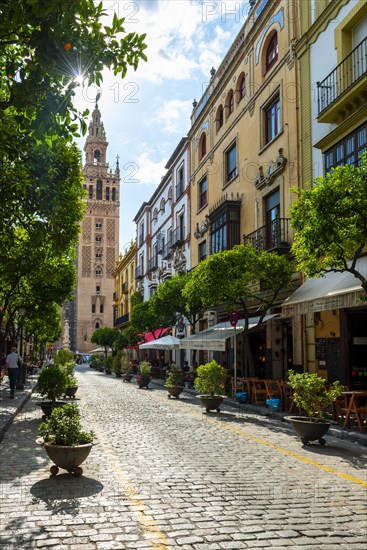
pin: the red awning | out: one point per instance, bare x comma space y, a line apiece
158, 333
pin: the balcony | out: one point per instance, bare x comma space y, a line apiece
179, 189
139, 272
345, 88
166, 253
122, 320
124, 288
178, 236
160, 243
274, 237
152, 263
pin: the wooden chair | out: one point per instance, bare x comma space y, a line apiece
239, 387
288, 400
259, 392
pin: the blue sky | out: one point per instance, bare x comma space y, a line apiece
147, 113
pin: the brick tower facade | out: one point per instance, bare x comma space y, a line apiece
98, 243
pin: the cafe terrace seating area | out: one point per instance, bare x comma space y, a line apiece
350, 410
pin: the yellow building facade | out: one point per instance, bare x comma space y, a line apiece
332, 61
244, 146
124, 276
244, 152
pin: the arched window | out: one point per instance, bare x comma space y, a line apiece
99, 190
98, 271
202, 146
97, 325
91, 191
163, 205
101, 308
271, 52
229, 103
241, 89
107, 193
98, 289
155, 214
219, 118
97, 156
93, 308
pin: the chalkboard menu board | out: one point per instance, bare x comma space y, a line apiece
321, 349
333, 359
328, 355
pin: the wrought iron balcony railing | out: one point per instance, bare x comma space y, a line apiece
178, 236
139, 272
152, 263
343, 77
166, 253
272, 237
122, 320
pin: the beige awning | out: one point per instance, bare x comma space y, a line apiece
332, 291
214, 338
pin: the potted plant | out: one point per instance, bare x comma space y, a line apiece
64, 439
314, 396
126, 369
210, 380
51, 383
143, 376
72, 382
174, 381
108, 364
116, 363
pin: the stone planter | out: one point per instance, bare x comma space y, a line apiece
211, 402
143, 381
174, 391
309, 430
127, 377
71, 391
48, 406
67, 458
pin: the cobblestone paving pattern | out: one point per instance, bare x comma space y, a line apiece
166, 475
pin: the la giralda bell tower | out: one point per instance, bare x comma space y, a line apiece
99, 241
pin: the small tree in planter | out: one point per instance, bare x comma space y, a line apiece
210, 380
72, 382
143, 376
118, 363
52, 383
108, 364
174, 381
314, 396
126, 368
65, 440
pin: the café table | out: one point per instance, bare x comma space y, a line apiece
352, 406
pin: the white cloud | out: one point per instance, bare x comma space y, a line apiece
174, 116
147, 170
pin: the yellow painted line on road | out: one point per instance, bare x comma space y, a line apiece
353, 479
155, 536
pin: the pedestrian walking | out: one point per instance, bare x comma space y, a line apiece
13, 360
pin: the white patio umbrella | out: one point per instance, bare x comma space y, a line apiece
167, 342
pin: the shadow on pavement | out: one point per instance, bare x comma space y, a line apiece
60, 493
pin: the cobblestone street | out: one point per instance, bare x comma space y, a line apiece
166, 475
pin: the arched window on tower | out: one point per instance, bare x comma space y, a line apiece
101, 308
93, 308
97, 156
99, 190
107, 193
97, 325
113, 193
91, 191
